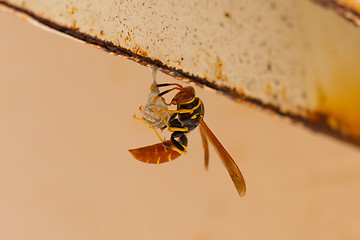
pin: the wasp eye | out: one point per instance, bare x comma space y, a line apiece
186, 97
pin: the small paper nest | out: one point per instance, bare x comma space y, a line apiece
148, 114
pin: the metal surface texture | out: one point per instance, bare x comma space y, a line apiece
66, 125
292, 57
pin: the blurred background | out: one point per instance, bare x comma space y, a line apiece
65, 173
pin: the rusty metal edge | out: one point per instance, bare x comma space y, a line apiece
346, 12
317, 122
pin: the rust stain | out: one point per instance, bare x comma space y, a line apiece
73, 26
179, 63
219, 67
240, 90
130, 43
127, 39
318, 121
139, 51
72, 10
118, 36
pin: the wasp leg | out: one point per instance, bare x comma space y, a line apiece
178, 146
178, 111
173, 121
172, 117
176, 126
171, 129
143, 120
167, 104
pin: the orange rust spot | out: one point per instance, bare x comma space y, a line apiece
130, 43
127, 39
240, 90
179, 63
72, 10
101, 33
139, 51
74, 25
219, 70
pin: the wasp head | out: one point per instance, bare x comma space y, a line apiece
184, 96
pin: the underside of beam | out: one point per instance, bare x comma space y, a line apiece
291, 57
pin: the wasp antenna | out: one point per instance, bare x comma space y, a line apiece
166, 85
165, 92
170, 84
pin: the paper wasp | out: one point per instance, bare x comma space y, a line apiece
188, 115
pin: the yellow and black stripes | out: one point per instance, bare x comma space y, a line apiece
183, 120
187, 116
155, 154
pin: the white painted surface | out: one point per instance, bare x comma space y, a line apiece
65, 173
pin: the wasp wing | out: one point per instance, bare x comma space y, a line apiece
229, 163
206, 147
154, 154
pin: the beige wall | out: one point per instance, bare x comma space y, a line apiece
65, 173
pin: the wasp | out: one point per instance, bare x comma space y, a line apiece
189, 114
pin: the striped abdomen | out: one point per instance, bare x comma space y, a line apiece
154, 154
